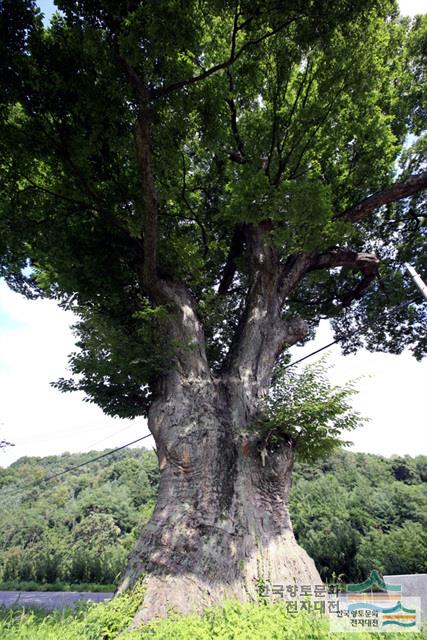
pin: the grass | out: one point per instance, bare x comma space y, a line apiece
233, 621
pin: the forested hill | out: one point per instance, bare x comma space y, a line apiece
352, 512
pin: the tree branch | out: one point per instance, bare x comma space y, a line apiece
300, 138
397, 191
143, 140
262, 333
295, 103
344, 257
60, 196
367, 264
234, 56
239, 154
298, 265
235, 251
194, 217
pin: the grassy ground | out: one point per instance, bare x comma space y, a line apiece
234, 621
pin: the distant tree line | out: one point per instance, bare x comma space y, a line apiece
80, 529
362, 512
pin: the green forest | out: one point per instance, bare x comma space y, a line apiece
352, 512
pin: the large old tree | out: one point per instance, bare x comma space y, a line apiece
202, 182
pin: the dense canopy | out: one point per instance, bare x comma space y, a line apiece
143, 141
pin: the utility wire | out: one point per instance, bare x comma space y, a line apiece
90, 447
351, 333
313, 353
74, 467
109, 453
104, 455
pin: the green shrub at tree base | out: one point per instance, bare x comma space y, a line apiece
233, 621
236, 621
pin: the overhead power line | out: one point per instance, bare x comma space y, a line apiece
34, 485
112, 451
351, 333
313, 353
90, 447
83, 464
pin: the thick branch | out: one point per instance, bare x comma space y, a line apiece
297, 266
143, 140
397, 191
235, 251
262, 334
143, 143
293, 271
344, 257
237, 156
194, 215
234, 56
367, 264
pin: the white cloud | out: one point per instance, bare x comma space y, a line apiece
412, 7
391, 394
35, 340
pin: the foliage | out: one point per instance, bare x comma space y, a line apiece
79, 531
109, 619
351, 515
352, 512
233, 621
401, 550
104, 345
309, 119
307, 411
105, 621
246, 622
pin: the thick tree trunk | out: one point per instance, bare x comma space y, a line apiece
221, 524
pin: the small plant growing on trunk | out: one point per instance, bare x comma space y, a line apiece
306, 411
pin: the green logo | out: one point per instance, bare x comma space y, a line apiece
376, 606
374, 580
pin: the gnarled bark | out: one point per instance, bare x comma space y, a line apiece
221, 524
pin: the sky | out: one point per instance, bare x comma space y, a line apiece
407, 7
36, 338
